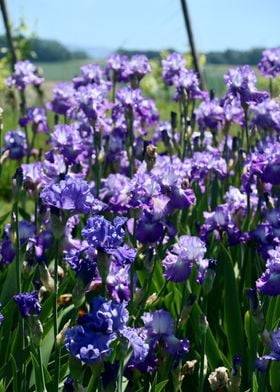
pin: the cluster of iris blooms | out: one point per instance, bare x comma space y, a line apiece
129, 209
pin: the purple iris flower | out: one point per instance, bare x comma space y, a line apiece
84, 263
90, 341
123, 255
210, 114
269, 282
162, 131
63, 98
128, 97
28, 303
118, 282
233, 110
274, 355
90, 104
137, 67
115, 192
220, 221
33, 176
7, 251
108, 316
241, 82
115, 68
159, 325
92, 73
266, 115
180, 259
102, 234
269, 64
67, 139
187, 86
24, 73
86, 345
37, 118
172, 67
15, 143
264, 163
204, 163
26, 233
72, 195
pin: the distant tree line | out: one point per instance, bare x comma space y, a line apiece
230, 56
46, 50
235, 57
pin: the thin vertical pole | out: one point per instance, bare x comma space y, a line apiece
191, 40
8, 32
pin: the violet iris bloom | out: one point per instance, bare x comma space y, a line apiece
28, 303
180, 259
270, 63
72, 195
25, 73
274, 355
241, 83
15, 143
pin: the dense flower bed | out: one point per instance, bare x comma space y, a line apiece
140, 254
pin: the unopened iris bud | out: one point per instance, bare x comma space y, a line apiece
203, 324
57, 223
255, 308
186, 311
212, 93
173, 116
17, 182
78, 293
148, 261
103, 263
209, 276
60, 337
268, 200
266, 338
235, 377
36, 330
242, 154
150, 156
46, 278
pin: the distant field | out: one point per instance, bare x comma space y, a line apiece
61, 71
213, 74
64, 70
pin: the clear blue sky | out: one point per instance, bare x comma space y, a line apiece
152, 24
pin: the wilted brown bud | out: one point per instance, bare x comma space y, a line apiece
60, 336
185, 183
64, 299
46, 278
219, 378
188, 368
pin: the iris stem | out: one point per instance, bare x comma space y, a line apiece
97, 166
203, 346
55, 318
18, 267
42, 376
1, 136
184, 129
130, 142
120, 376
19, 289
247, 130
